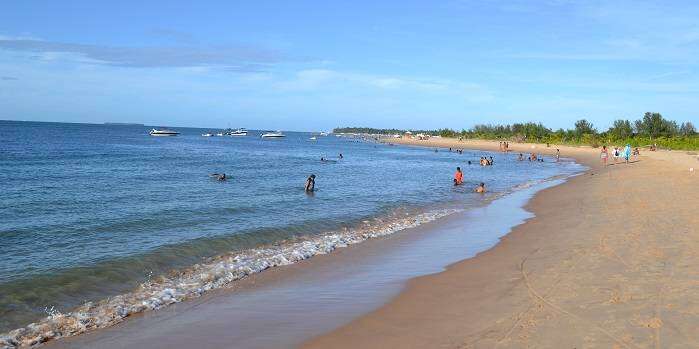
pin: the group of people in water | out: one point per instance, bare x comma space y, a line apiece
486, 161
459, 180
618, 153
534, 157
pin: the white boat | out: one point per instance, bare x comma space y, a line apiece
207, 134
323, 133
220, 134
239, 132
277, 134
313, 138
163, 132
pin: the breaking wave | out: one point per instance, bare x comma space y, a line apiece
216, 272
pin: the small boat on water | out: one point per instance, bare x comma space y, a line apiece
207, 134
323, 133
277, 134
163, 132
313, 138
239, 132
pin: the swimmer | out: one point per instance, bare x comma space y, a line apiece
341, 157
480, 188
521, 157
219, 177
458, 176
491, 161
310, 184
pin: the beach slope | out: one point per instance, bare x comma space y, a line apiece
609, 261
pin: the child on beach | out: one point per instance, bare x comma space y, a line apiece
480, 188
604, 154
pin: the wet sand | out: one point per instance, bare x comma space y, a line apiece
609, 261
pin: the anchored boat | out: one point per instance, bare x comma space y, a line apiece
239, 132
277, 134
163, 132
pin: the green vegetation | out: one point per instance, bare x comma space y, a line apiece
652, 128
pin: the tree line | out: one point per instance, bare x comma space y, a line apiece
652, 128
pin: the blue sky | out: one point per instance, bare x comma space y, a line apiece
314, 65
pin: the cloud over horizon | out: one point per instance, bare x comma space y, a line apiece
240, 58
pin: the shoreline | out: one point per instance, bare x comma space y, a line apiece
589, 270
285, 306
274, 275
252, 280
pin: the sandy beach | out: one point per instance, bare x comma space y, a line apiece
609, 261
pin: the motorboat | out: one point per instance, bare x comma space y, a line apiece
207, 134
163, 132
220, 134
313, 138
277, 134
323, 133
238, 132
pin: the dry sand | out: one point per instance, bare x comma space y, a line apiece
610, 261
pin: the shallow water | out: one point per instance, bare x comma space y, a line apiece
285, 313
91, 211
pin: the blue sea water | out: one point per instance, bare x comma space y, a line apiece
89, 211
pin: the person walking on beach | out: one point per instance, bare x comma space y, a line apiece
458, 176
604, 154
627, 153
310, 184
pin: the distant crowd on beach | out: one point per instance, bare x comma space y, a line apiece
619, 154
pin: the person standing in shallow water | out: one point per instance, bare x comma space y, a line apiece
310, 184
458, 176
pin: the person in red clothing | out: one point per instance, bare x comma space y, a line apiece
458, 176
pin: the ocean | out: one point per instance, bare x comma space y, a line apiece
105, 220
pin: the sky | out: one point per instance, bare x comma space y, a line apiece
315, 65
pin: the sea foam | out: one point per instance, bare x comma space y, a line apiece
214, 273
